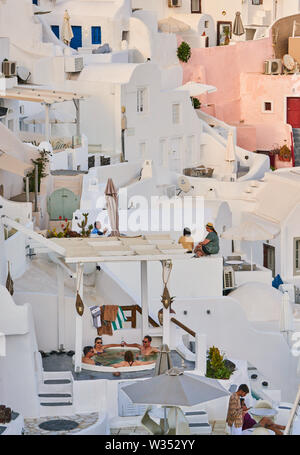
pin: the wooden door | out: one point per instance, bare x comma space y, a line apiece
269, 258
62, 203
293, 112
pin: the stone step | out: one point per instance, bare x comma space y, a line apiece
200, 428
57, 381
57, 403
196, 417
55, 397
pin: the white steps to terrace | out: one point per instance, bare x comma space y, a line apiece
56, 394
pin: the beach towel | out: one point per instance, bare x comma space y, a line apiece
96, 315
110, 312
118, 323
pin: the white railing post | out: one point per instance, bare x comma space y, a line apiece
78, 321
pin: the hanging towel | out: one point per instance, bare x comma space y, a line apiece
110, 312
96, 315
106, 328
118, 323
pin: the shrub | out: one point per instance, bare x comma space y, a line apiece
216, 366
195, 102
184, 52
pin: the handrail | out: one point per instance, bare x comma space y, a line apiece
184, 327
136, 308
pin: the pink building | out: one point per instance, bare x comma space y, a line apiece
255, 103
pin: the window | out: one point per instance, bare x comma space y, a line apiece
11, 125
55, 30
196, 6
268, 106
142, 100
297, 256
96, 35
206, 24
35, 2
125, 35
176, 113
257, 2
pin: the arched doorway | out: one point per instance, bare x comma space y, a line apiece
62, 203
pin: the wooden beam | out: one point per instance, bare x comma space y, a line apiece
184, 327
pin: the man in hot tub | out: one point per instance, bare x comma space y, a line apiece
145, 348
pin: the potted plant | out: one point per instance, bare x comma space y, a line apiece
195, 102
184, 52
216, 366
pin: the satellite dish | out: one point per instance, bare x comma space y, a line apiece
23, 73
184, 184
289, 62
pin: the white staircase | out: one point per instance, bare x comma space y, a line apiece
197, 419
56, 394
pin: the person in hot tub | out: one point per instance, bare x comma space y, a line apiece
99, 348
130, 362
145, 348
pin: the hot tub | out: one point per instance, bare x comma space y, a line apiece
116, 355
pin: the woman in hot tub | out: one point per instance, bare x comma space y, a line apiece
99, 348
130, 362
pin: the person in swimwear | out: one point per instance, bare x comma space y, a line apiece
130, 362
99, 348
145, 348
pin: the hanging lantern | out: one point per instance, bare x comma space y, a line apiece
79, 305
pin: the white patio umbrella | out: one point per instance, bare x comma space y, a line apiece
175, 388
286, 315
111, 196
250, 232
66, 31
196, 89
171, 25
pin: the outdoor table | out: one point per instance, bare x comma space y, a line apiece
263, 412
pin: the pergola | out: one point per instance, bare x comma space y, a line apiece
47, 97
157, 247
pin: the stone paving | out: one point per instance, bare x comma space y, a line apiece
218, 429
31, 426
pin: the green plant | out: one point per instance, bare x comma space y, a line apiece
195, 102
41, 162
85, 232
216, 365
184, 52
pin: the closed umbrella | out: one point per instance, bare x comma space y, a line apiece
163, 362
230, 151
286, 315
111, 196
66, 31
171, 25
238, 28
250, 232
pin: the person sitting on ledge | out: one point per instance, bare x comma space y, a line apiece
97, 229
99, 348
145, 348
130, 362
186, 240
210, 245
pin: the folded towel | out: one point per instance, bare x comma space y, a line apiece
96, 315
118, 323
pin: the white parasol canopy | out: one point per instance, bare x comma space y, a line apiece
196, 89
249, 232
171, 25
112, 204
238, 28
66, 31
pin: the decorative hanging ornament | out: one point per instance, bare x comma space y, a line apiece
166, 299
79, 305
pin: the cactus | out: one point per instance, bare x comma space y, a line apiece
85, 232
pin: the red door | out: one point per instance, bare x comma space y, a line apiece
293, 112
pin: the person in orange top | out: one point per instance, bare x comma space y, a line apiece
186, 240
235, 412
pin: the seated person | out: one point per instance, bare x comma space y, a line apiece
210, 245
88, 354
248, 422
186, 240
97, 229
268, 423
130, 362
145, 348
99, 348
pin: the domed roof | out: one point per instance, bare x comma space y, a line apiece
260, 301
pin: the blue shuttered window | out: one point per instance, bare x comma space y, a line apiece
76, 41
96, 35
55, 30
35, 2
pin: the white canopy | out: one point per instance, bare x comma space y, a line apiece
196, 89
248, 231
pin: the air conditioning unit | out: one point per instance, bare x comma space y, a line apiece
174, 3
273, 66
228, 278
9, 69
73, 64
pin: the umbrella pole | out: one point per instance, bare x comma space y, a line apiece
165, 420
